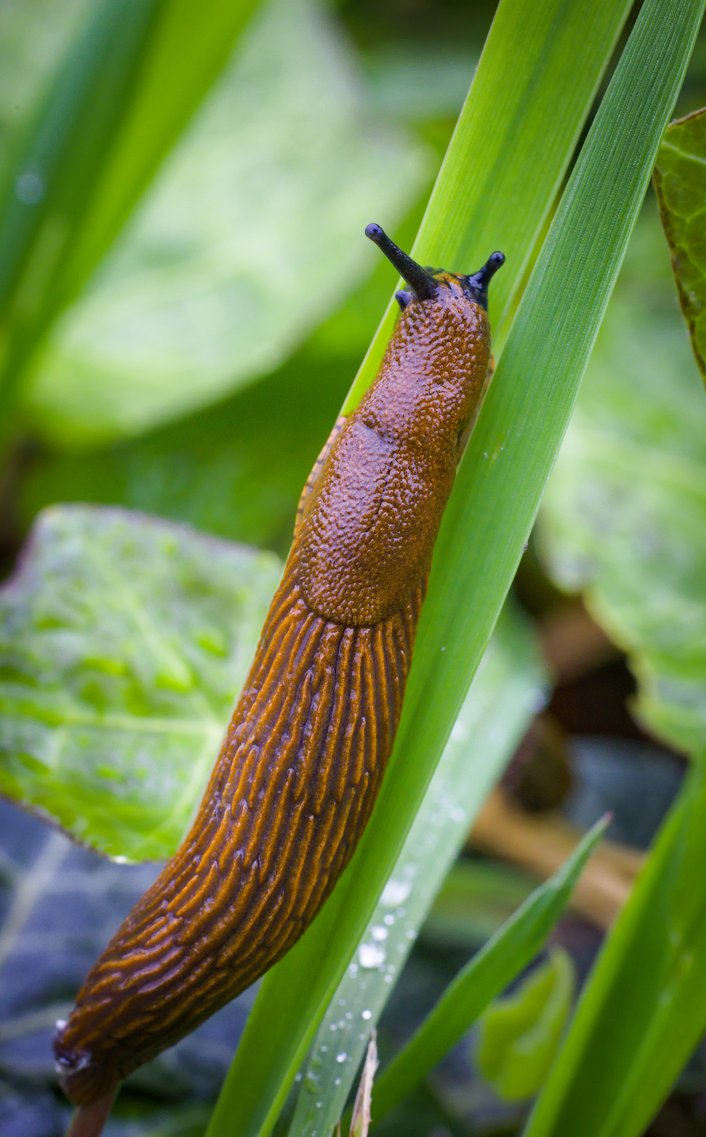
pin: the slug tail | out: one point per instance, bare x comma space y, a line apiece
88, 1120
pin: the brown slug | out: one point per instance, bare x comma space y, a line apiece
306, 748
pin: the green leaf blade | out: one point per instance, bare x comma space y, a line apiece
484, 977
495, 714
464, 568
557, 64
644, 1008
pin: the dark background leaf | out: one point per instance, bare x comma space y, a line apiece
680, 179
58, 906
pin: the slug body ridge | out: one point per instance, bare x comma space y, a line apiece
307, 746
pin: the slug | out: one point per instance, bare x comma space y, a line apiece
306, 749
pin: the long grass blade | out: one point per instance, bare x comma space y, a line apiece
483, 978
644, 1008
288, 1010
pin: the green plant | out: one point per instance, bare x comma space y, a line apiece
484, 198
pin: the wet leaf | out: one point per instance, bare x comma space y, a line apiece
123, 643
485, 975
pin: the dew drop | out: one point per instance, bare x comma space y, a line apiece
371, 955
395, 892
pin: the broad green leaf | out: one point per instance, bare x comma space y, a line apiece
105, 125
625, 512
643, 1009
495, 714
515, 440
123, 643
252, 235
680, 180
484, 977
519, 1034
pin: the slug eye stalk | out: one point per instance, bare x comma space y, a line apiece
476, 285
423, 283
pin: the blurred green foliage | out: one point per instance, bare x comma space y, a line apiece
519, 1034
628, 496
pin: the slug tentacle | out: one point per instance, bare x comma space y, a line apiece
476, 285
418, 278
306, 749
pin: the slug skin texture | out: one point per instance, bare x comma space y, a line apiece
306, 749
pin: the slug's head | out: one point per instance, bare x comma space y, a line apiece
428, 283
